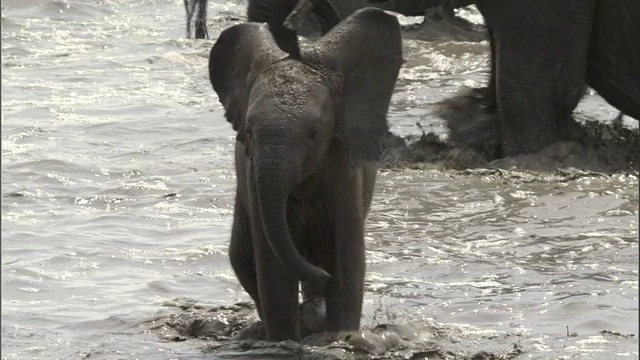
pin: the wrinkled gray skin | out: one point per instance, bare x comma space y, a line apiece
545, 53
308, 140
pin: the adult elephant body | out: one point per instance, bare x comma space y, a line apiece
287, 17
545, 53
308, 140
324, 15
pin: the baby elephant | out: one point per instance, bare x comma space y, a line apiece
308, 139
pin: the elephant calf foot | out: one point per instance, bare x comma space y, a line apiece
311, 317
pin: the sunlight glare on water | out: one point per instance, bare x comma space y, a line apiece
118, 187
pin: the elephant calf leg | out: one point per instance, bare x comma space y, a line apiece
345, 290
278, 289
277, 285
241, 253
311, 320
311, 316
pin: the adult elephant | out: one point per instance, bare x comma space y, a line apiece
307, 149
543, 55
286, 17
197, 18
320, 15
343, 8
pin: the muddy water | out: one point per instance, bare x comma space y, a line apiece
117, 192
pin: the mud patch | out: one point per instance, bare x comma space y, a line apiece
203, 321
216, 326
595, 149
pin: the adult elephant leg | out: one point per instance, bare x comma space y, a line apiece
614, 57
541, 52
490, 95
273, 12
201, 20
197, 9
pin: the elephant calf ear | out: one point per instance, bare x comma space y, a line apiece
366, 49
240, 52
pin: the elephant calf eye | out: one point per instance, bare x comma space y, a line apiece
313, 133
249, 134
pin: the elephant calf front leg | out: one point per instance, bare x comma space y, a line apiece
277, 285
278, 289
311, 319
241, 252
345, 291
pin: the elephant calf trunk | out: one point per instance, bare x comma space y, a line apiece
273, 192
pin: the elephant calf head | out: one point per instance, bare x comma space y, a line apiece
289, 112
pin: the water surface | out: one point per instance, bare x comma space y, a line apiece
117, 195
